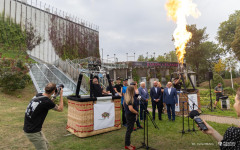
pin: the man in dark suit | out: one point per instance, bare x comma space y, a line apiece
170, 99
143, 92
155, 94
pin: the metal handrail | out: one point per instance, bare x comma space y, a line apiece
42, 73
53, 73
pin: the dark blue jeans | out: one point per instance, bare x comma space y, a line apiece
141, 110
171, 111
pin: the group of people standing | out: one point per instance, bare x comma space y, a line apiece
135, 100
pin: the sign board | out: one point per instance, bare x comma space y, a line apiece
177, 107
192, 98
104, 115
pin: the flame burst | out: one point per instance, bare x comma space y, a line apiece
178, 10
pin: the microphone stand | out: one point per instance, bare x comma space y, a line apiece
189, 130
145, 136
183, 132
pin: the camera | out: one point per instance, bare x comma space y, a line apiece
58, 89
195, 116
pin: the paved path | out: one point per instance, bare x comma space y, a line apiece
218, 119
221, 119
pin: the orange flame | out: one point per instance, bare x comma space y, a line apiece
178, 10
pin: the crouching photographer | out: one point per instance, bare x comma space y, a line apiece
37, 111
231, 138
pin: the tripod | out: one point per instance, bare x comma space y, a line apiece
183, 132
211, 102
193, 104
145, 133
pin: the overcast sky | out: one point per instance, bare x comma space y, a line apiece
141, 26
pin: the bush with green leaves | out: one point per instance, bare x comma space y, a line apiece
13, 74
236, 86
217, 79
229, 91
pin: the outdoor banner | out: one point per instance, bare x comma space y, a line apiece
192, 98
177, 107
104, 116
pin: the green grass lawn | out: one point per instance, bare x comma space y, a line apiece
218, 112
12, 108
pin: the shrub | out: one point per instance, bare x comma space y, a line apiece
229, 91
13, 74
217, 79
236, 86
167, 78
135, 75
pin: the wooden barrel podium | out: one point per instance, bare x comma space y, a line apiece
81, 115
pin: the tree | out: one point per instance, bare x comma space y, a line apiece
160, 58
217, 79
219, 67
231, 64
171, 56
229, 34
141, 58
195, 53
236, 42
201, 54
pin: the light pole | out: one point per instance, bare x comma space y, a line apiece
134, 56
114, 57
154, 55
147, 56
127, 56
107, 58
102, 55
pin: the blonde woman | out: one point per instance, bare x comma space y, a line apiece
130, 106
135, 85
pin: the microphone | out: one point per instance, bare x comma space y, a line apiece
194, 114
139, 97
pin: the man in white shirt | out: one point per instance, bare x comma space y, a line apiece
155, 94
170, 99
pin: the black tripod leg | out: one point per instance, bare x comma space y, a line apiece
219, 108
147, 132
144, 128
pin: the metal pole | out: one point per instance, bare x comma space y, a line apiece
15, 12
127, 56
134, 56
31, 22
21, 26
10, 12
48, 30
40, 26
52, 15
26, 26
102, 55
4, 9
57, 36
21, 16
114, 57
44, 29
